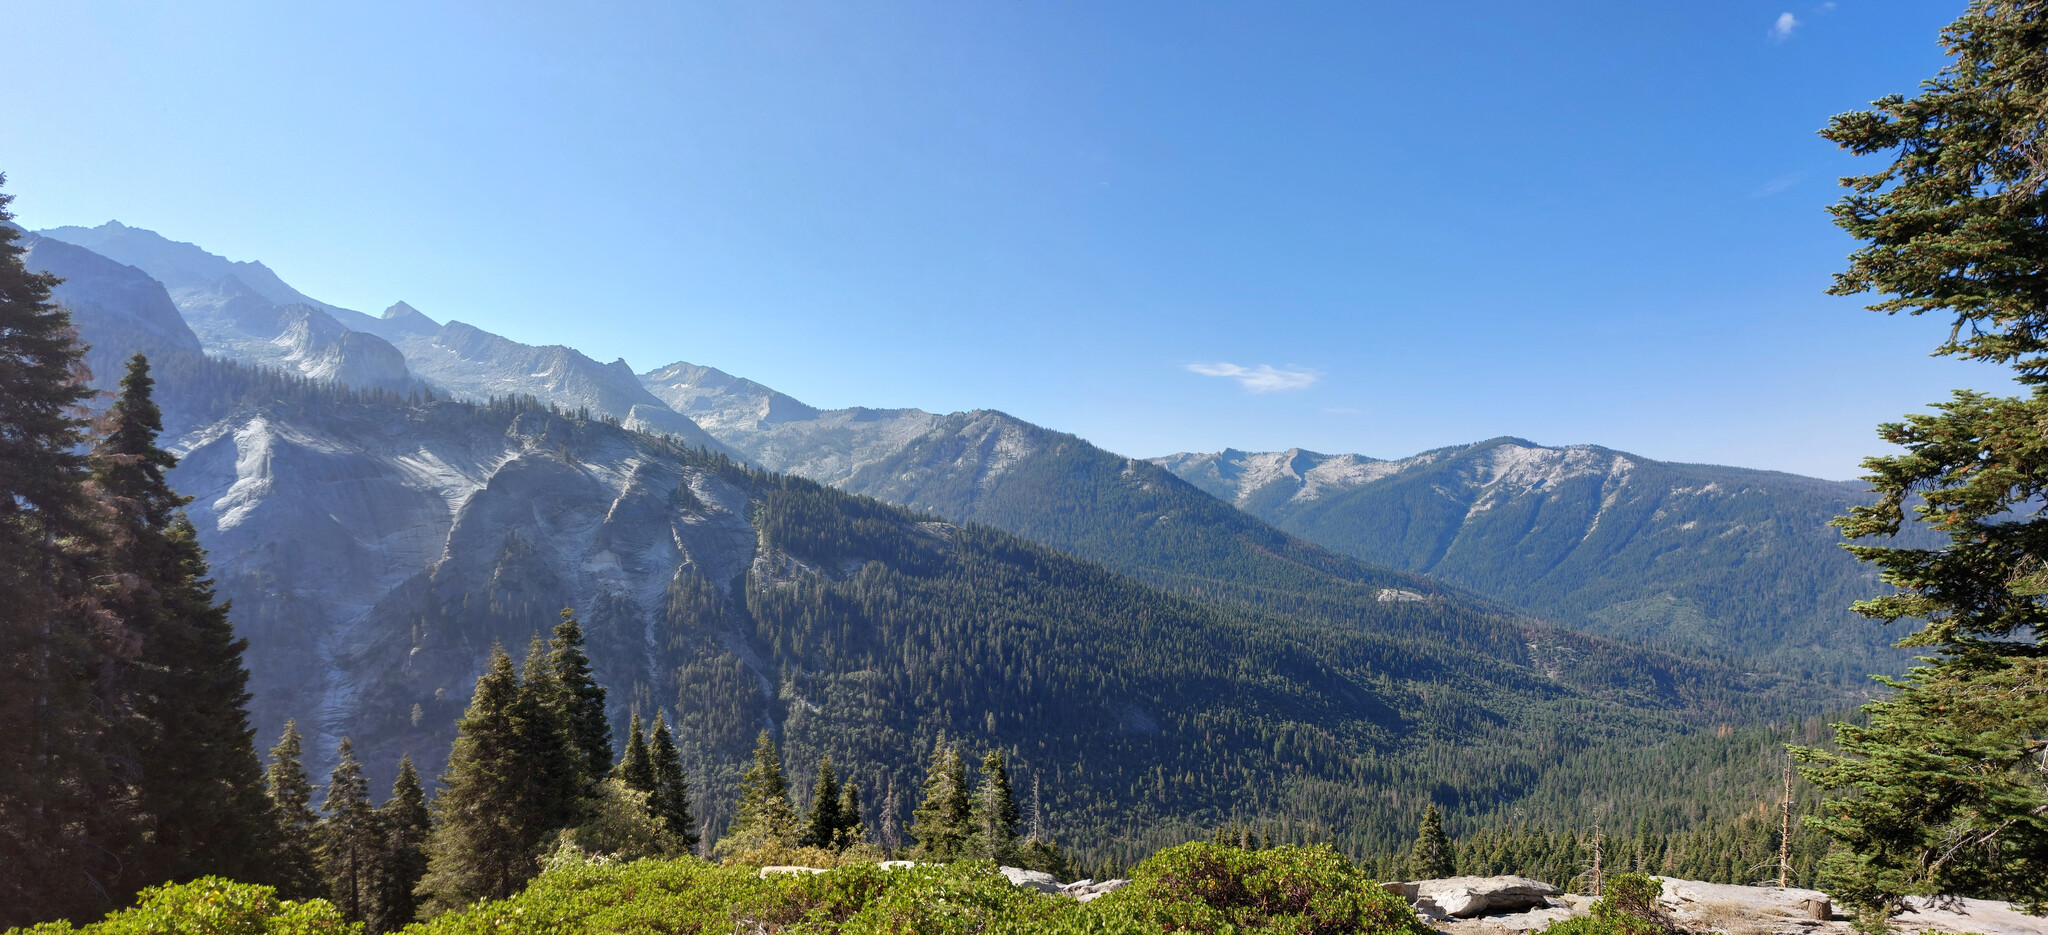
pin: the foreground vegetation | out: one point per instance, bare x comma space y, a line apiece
1194, 888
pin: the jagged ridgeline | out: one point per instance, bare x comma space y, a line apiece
376, 545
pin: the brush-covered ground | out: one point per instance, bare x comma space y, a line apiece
1198, 888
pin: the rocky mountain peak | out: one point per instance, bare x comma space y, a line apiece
400, 310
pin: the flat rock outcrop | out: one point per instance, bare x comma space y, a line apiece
1694, 906
1467, 897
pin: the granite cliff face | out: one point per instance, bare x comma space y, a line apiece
374, 553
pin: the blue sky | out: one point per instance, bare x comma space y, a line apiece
1175, 226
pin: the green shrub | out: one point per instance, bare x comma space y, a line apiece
212, 906
1194, 888
683, 895
1627, 906
1208, 888
692, 896
958, 899
1631, 894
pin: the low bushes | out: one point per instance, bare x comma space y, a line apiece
212, 906
1628, 906
1213, 889
1198, 888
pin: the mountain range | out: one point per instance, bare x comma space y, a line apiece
1166, 643
1735, 560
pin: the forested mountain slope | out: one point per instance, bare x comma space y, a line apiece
376, 548
1729, 559
376, 544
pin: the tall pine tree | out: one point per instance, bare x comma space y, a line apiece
821, 826
557, 788
50, 764
940, 823
479, 850
765, 822
852, 829
184, 692
293, 869
1945, 791
1430, 858
997, 819
351, 841
406, 825
582, 699
670, 797
636, 768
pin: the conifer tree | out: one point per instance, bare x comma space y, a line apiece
350, 841
479, 848
49, 767
294, 870
670, 798
765, 820
1943, 791
852, 828
940, 821
1430, 859
997, 818
196, 773
556, 789
581, 698
821, 826
636, 768
406, 824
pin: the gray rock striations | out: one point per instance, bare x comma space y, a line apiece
1727, 559
375, 553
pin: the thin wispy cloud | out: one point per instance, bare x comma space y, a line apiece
1782, 29
1264, 378
1776, 186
